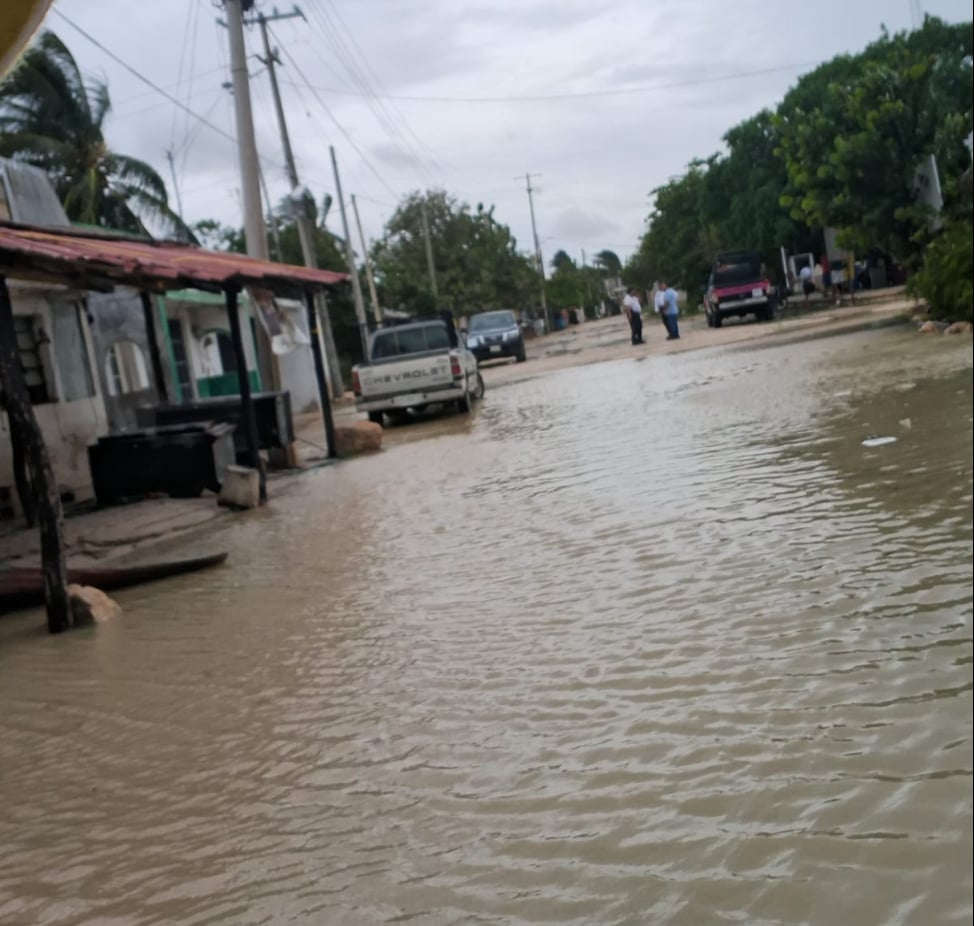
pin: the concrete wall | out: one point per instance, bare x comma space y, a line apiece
75, 416
298, 367
199, 322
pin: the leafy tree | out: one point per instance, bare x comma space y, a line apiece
215, 236
477, 262
744, 193
51, 118
944, 280
854, 131
608, 262
680, 240
562, 259
571, 286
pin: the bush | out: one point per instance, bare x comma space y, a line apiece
945, 280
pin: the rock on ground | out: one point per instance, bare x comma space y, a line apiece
90, 605
959, 328
357, 437
240, 488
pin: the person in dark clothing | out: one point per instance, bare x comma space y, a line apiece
634, 312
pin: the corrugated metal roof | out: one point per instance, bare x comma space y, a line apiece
97, 261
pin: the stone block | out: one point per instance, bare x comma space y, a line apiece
90, 605
358, 437
241, 488
958, 328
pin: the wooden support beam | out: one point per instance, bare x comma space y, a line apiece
148, 313
50, 515
323, 394
246, 401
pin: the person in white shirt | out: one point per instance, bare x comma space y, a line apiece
807, 276
634, 312
658, 307
670, 311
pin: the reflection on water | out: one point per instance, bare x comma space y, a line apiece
644, 642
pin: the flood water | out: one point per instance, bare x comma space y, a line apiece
650, 641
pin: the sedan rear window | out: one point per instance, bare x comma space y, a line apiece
488, 321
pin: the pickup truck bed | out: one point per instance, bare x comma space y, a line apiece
414, 366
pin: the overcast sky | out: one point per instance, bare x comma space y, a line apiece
603, 100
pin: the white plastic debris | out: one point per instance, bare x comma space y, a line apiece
878, 441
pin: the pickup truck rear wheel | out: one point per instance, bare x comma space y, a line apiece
464, 404
375, 417
478, 392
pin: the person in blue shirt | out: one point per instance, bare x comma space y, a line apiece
669, 311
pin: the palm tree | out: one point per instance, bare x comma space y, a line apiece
608, 262
52, 119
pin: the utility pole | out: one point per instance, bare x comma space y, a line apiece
373, 295
301, 219
537, 249
429, 252
254, 229
246, 143
350, 259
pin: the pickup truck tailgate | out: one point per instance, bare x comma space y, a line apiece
417, 374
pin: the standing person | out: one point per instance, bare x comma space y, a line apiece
826, 275
808, 284
634, 312
670, 311
658, 306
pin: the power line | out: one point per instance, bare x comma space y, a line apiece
338, 125
372, 83
142, 77
333, 38
582, 94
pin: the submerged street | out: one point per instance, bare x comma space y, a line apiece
655, 640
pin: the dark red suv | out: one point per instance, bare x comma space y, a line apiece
739, 286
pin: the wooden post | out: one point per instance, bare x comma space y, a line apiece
25, 491
313, 330
150, 330
50, 516
246, 402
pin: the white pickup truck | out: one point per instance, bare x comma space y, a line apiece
413, 366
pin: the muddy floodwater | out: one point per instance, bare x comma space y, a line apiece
649, 641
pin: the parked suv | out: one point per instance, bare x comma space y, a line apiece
738, 286
493, 335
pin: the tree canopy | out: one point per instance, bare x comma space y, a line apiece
478, 265
52, 118
840, 151
853, 133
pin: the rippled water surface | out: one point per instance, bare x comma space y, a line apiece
651, 641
